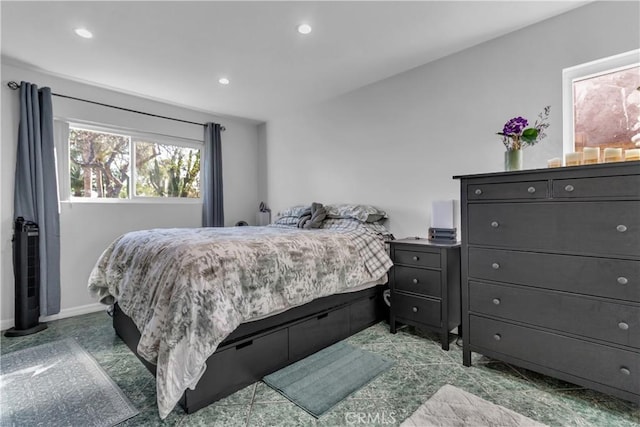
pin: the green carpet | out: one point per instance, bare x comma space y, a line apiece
59, 384
322, 380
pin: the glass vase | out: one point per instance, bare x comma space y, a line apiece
513, 160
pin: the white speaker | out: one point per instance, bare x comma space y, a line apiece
442, 214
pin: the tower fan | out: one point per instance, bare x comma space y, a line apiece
26, 268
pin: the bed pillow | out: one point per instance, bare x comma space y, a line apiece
363, 213
294, 211
291, 221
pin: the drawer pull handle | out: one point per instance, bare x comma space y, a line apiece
415, 281
495, 224
495, 266
625, 371
496, 301
621, 228
414, 309
531, 190
478, 192
497, 337
624, 326
623, 280
569, 188
416, 258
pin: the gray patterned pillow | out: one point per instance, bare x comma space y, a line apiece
363, 213
294, 211
288, 220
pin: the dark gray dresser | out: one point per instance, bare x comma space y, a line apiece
425, 286
550, 269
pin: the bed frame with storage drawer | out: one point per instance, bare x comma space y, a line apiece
551, 272
258, 348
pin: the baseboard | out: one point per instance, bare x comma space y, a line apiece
64, 313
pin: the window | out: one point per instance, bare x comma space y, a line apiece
601, 103
110, 164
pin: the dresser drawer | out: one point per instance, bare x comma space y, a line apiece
417, 258
589, 317
417, 280
605, 277
508, 190
416, 309
599, 363
608, 186
580, 227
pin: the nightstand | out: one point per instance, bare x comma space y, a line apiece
425, 286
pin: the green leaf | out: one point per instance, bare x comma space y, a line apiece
530, 134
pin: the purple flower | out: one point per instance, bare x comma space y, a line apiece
516, 135
515, 126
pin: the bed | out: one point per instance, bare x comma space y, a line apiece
211, 310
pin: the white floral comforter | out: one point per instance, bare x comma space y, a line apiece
188, 289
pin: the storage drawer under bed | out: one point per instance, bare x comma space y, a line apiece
326, 329
233, 368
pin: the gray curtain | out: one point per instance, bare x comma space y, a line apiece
212, 202
36, 192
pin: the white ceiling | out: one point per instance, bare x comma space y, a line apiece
176, 51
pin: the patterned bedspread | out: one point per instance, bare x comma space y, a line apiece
188, 289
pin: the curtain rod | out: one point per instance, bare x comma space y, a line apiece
15, 86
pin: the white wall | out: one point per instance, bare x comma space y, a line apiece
398, 142
87, 228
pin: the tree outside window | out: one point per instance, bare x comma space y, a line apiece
99, 164
167, 170
107, 165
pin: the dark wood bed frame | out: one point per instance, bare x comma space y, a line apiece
258, 348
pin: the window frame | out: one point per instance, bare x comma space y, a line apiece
64, 163
584, 71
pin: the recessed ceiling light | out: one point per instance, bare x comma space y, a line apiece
223, 81
84, 33
304, 28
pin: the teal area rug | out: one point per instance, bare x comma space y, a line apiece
59, 384
320, 381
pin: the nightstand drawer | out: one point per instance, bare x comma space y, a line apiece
608, 186
417, 280
508, 190
416, 309
417, 258
581, 227
600, 363
589, 317
605, 277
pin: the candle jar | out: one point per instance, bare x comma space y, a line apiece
556, 162
573, 159
612, 155
590, 155
632, 154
